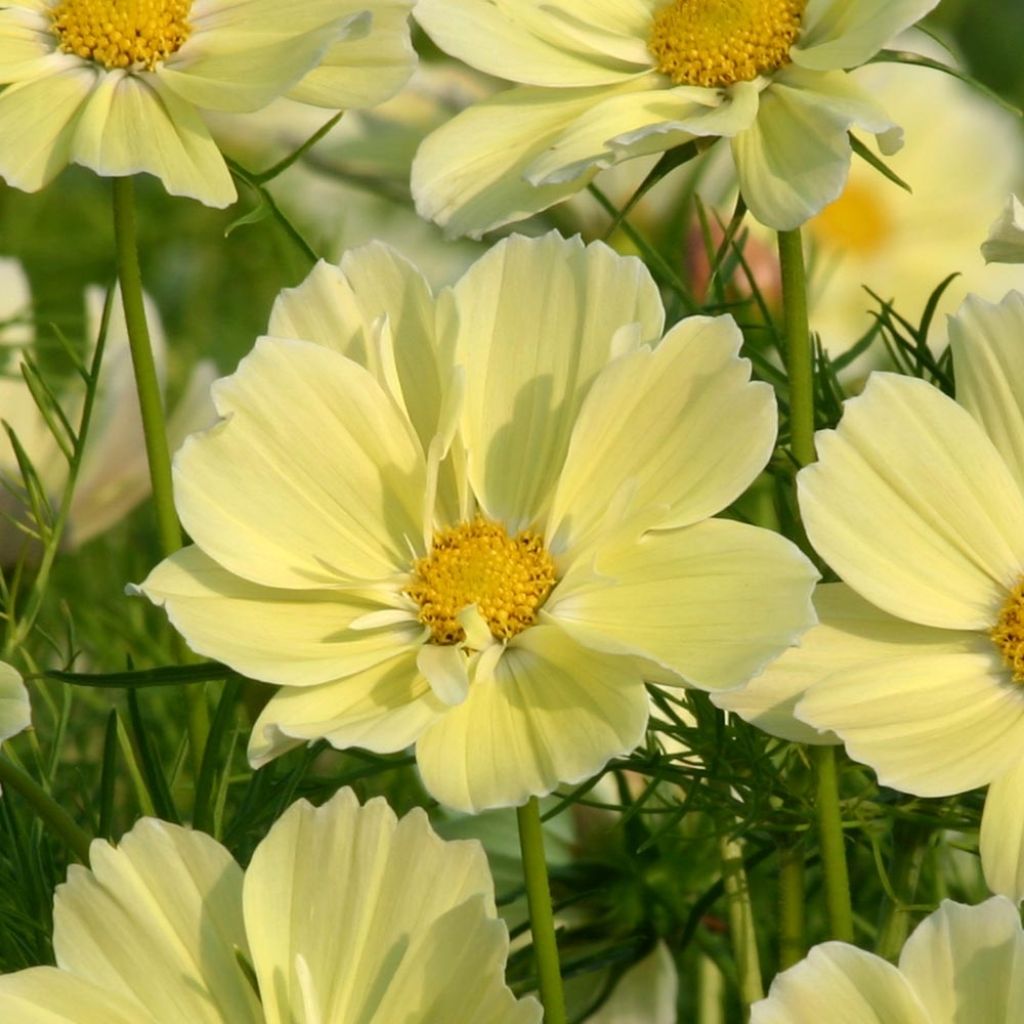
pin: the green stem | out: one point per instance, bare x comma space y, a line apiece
833, 848
542, 919
741, 923
153, 423
791, 906
800, 366
910, 842
48, 810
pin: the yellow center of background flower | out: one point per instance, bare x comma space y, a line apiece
478, 563
715, 43
1008, 632
857, 221
122, 33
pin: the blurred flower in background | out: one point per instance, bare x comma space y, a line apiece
15, 712
114, 475
1005, 242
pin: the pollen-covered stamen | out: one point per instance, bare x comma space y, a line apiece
122, 33
478, 563
1008, 632
715, 43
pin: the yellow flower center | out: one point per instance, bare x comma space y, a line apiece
478, 563
857, 221
715, 43
122, 33
1008, 632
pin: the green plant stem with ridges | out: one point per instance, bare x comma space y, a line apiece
742, 933
910, 842
154, 427
56, 819
800, 367
542, 918
792, 943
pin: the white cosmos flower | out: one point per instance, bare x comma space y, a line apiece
1005, 242
15, 712
478, 522
917, 502
961, 964
599, 81
114, 475
118, 85
344, 914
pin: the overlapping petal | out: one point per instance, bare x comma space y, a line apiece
552, 712
912, 505
45, 995
682, 598
1002, 834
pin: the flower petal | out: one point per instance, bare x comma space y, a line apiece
1005, 242
1002, 834
391, 882
683, 599
525, 42
846, 33
313, 477
931, 724
496, 140
523, 395
986, 340
911, 504
850, 632
291, 637
362, 72
967, 963
28, 46
45, 995
652, 425
843, 985
131, 125
384, 708
794, 160
38, 118
647, 992
158, 919
15, 710
553, 712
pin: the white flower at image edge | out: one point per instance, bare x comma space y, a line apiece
963, 964
478, 522
114, 474
15, 711
1005, 242
917, 666
343, 914
118, 87
601, 82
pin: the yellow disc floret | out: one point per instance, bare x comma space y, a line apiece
1008, 632
478, 563
122, 33
715, 43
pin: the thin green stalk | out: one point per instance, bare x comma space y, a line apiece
833, 848
800, 366
146, 381
741, 923
154, 427
46, 808
792, 943
542, 919
910, 843
710, 992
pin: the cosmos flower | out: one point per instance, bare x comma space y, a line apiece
118, 85
601, 82
15, 713
477, 523
917, 502
960, 964
114, 476
1005, 242
344, 913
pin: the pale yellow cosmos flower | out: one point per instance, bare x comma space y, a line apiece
343, 914
600, 81
960, 964
917, 502
15, 712
477, 522
114, 475
118, 85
